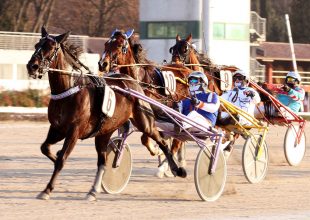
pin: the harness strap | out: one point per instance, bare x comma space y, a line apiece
66, 93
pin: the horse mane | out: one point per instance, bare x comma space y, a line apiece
72, 52
207, 62
139, 55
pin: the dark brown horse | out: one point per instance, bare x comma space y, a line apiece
74, 111
121, 54
183, 52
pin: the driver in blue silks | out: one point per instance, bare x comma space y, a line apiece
203, 106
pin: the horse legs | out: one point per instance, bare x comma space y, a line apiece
53, 137
147, 127
146, 141
67, 148
178, 151
101, 143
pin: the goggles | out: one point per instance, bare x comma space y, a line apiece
193, 81
238, 77
290, 79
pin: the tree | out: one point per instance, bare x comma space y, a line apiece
273, 11
26, 15
90, 17
300, 21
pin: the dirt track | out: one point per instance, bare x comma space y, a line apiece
24, 172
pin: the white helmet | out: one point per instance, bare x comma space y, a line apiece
242, 73
203, 81
294, 75
200, 75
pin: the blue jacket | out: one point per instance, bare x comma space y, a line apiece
293, 98
208, 101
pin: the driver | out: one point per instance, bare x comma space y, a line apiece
242, 96
202, 108
291, 94
203, 105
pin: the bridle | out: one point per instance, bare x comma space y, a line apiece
176, 51
45, 63
113, 56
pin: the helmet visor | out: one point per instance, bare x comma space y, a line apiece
193, 81
239, 77
290, 79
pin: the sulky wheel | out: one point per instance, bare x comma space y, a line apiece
209, 186
254, 160
115, 180
294, 152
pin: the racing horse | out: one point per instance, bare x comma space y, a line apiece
184, 52
74, 111
122, 55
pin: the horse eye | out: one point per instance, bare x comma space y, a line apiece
114, 56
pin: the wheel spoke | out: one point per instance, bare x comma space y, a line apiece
249, 164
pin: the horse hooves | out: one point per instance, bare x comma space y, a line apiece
43, 196
181, 172
91, 197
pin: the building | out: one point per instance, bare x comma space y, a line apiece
16, 50
219, 27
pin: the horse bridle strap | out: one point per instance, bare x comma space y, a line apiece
67, 93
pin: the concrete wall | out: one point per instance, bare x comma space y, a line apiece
229, 52
167, 10
208, 12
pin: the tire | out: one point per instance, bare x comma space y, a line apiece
294, 153
115, 180
209, 186
255, 169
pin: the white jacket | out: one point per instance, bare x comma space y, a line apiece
238, 97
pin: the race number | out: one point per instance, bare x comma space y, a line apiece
170, 82
108, 104
226, 80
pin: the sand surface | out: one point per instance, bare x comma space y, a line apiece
24, 172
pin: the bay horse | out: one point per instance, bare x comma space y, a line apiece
122, 55
74, 111
184, 52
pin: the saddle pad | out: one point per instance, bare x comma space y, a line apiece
109, 102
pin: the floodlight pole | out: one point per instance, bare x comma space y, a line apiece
291, 42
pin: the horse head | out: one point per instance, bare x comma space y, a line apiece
184, 51
117, 51
45, 54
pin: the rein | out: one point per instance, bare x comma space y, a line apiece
75, 73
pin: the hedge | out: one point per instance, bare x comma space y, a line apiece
28, 98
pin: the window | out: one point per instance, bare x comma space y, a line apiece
219, 31
169, 29
225, 31
6, 71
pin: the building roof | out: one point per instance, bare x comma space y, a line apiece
282, 51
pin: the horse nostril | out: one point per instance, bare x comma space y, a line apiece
34, 66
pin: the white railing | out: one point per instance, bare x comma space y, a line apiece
280, 74
26, 41
258, 26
